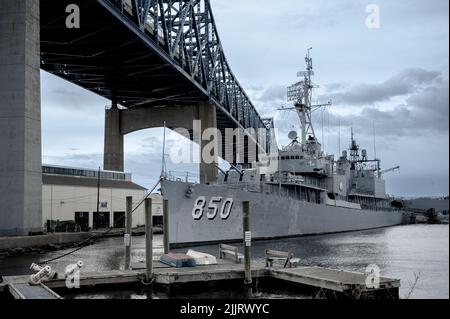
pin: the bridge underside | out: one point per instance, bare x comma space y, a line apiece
112, 58
108, 58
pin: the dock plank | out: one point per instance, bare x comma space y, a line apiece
115, 277
336, 280
170, 276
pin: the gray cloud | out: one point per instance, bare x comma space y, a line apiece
338, 86
152, 144
422, 106
268, 99
425, 111
405, 82
83, 160
58, 93
252, 87
275, 93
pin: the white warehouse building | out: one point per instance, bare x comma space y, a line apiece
70, 194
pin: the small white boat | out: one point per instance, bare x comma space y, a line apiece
202, 259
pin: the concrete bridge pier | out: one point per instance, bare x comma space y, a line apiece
119, 122
20, 118
208, 170
114, 152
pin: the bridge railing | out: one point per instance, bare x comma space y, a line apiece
178, 176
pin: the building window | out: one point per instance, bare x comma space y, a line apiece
82, 220
119, 220
101, 220
83, 173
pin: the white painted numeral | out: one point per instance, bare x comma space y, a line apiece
197, 212
226, 208
213, 208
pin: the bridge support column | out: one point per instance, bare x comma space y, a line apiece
119, 122
208, 118
113, 159
20, 118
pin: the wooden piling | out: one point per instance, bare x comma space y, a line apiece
127, 236
166, 226
148, 240
247, 242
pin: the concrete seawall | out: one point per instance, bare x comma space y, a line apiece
41, 241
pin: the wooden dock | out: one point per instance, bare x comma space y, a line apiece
349, 284
325, 281
116, 277
224, 270
26, 291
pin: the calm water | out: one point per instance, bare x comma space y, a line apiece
406, 252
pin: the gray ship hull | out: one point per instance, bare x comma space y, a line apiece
271, 216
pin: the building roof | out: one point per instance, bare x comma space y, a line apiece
82, 172
88, 182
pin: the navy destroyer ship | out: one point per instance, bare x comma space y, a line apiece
309, 193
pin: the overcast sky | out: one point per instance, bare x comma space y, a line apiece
394, 79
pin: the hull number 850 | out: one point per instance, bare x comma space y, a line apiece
216, 206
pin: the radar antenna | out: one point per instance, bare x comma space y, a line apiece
300, 94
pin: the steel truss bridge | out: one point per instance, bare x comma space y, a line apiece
147, 54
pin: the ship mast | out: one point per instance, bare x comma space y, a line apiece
354, 149
301, 94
